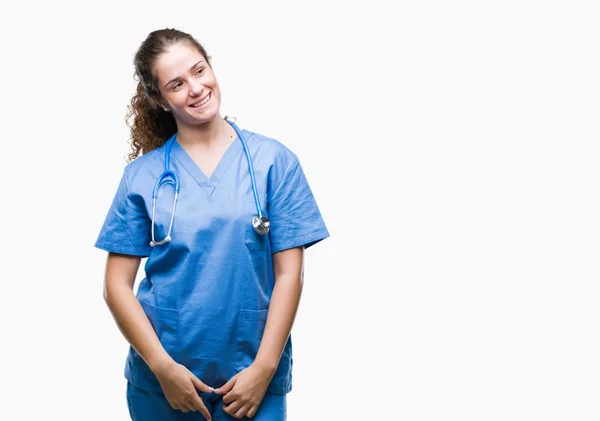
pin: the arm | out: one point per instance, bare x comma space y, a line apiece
177, 382
127, 311
289, 278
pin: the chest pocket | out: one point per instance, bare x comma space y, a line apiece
255, 241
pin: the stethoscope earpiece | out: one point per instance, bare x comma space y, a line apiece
166, 240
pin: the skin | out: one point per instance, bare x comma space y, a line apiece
177, 381
205, 135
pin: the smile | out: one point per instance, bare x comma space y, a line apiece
202, 103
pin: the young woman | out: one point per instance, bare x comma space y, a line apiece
223, 216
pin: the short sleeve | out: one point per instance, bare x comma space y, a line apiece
293, 212
126, 229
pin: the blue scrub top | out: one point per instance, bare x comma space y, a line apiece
207, 291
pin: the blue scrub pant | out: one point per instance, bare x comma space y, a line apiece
148, 406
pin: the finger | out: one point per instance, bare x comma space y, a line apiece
230, 397
227, 386
199, 405
191, 407
233, 407
200, 385
252, 412
183, 407
241, 412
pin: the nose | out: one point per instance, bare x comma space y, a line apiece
196, 88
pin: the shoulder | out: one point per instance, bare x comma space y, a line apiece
270, 150
135, 172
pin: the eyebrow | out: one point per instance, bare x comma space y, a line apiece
191, 68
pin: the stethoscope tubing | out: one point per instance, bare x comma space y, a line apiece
260, 223
250, 168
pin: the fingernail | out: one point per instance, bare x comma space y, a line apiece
211, 389
216, 390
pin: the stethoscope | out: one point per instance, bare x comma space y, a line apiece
260, 223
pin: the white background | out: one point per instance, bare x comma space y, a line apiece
452, 148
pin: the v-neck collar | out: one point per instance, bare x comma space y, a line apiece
208, 184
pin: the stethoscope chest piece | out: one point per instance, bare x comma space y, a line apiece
261, 224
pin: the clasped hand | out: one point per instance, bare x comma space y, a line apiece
244, 392
179, 385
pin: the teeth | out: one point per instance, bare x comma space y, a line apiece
203, 102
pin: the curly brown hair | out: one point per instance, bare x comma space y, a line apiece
152, 125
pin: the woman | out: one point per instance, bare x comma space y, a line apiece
210, 325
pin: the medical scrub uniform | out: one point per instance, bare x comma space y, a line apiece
207, 291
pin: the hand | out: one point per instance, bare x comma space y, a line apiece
245, 391
179, 385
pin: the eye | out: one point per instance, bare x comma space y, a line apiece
177, 84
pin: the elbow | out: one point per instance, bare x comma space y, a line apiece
112, 290
107, 293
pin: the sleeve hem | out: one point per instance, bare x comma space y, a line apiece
116, 248
306, 241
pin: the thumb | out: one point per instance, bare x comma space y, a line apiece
201, 386
227, 386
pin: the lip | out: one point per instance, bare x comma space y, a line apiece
201, 107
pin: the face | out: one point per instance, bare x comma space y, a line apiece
185, 80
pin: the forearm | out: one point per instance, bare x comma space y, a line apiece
282, 311
135, 326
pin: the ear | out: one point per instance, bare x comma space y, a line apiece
157, 102
160, 104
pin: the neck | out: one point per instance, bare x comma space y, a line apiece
209, 134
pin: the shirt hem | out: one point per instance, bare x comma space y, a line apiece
306, 241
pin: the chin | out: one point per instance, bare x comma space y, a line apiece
194, 120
